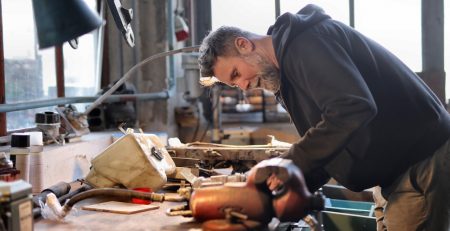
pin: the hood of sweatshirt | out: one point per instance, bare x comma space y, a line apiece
289, 25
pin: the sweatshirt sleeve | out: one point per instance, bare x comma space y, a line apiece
323, 69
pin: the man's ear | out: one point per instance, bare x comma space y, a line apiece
244, 45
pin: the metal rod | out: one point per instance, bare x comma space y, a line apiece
277, 9
351, 5
133, 69
84, 99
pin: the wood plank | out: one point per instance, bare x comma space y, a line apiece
119, 207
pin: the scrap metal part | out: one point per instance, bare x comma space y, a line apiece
240, 157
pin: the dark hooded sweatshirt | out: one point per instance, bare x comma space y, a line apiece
364, 117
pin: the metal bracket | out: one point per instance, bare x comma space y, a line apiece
123, 18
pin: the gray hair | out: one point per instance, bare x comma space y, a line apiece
218, 43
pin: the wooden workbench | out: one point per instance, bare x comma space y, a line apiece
79, 219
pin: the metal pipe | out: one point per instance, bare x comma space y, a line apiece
277, 9
351, 5
83, 99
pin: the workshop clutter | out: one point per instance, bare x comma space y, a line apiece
7, 170
273, 188
135, 160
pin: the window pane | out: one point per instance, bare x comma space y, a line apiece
397, 27
80, 72
79, 68
28, 71
337, 9
253, 15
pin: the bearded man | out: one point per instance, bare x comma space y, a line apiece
364, 117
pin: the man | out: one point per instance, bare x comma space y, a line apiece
364, 117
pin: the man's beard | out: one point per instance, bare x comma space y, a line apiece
268, 76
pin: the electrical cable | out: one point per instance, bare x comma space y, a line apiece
127, 75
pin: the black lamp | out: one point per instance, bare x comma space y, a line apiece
59, 21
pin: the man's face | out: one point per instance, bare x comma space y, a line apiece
247, 72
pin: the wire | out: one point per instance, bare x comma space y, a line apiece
127, 75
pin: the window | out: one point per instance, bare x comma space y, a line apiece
397, 27
253, 15
86, 80
337, 9
30, 73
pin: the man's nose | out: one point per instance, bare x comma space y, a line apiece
242, 84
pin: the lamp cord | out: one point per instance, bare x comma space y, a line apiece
127, 75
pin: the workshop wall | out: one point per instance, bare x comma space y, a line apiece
150, 30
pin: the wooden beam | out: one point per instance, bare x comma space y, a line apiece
59, 58
2, 77
433, 46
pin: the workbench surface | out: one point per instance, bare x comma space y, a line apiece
157, 219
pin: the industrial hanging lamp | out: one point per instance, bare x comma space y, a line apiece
59, 21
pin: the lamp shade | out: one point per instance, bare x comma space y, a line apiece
58, 21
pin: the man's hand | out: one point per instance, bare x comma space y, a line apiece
291, 199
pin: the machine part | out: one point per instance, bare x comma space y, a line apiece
201, 182
5, 162
225, 225
114, 114
189, 63
129, 162
20, 149
122, 17
240, 157
60, 189
49, 123
218, 202
16, 206
75, 123
313, 223
124, 194
7, 171
182, 210
291, 199
62, 197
